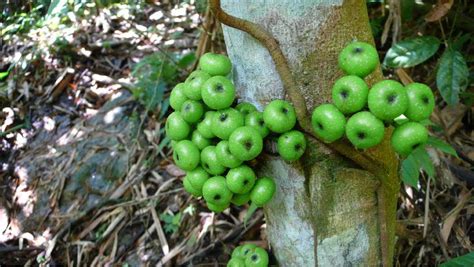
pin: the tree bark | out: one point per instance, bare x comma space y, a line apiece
326, 210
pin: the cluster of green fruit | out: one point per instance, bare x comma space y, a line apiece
211, 138
248, 255
386, 101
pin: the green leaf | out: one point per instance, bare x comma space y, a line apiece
249, 213
441, 145
452, 77
411, 52
410, 171
4, 74
187, 60
461, 261
424, 161
57, 7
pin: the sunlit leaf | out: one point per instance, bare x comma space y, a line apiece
453, 76
411, 52
461, 261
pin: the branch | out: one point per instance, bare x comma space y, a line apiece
363, 159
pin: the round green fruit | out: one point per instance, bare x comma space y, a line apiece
236, 253
217, 208
225, 122
358, 58
218, 92
245, 143
210, 161
291, 145
328, 123
236, 262
420, 102
176, 127
246, 250
194, 83
225, 157
245, 108
257, 258
197, 178
186, 155
192, 111
199, 140
205, 126
279, 116
240, 199
215, 191
255, 120
349, 94
387, 100
177, 96
263, 191
215, 64
408, 136
364, 130
240, 180
190, 189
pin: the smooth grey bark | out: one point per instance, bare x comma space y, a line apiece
324, 205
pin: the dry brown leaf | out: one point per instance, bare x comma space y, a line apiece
404, 76
453, 215
439, 10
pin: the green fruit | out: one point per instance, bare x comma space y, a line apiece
263, 191
291, 145
210, 162
218, 92
245, 108
387, 100
358, 58
349, 94
192, 111
240, 199
225, 122
240, 180
420, 102
215, 191
200, 141
194, 83
408, 136
197, 178
215, 64
177, 96
245, 143
364, 130
217, 208
236, 262
186, 155
205, 126
255, 120
279, 116
225, 157
246, 250
190, 189
236, 253
176, 127
257, 258
328, 123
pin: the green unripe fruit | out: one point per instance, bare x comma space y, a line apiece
205, 126
210, 162
177, 96
328, 123
349, 94
245, 143
279, 116
192, 111
190, 189
194, 83
215, 191
236, 253
364, 130
240, 180
197, 178
225, 157
246, 250
217, 208
225, 122
255, 120
408, 136
186, 155
200, 141
420, 102
387, 100
236, 262
240, 199
358, 58
176, 127
215, 64
257, 258
291, 145
245, 108
218, 92
263, 191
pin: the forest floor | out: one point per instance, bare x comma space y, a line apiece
86, 174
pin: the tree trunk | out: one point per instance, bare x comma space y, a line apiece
325, 205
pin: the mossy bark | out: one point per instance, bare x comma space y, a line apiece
325, 205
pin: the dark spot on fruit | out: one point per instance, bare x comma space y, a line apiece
192, 78
223, 117
206, 165
246, 182
391, 99
187, 107
358, 50
245, 112
254, 257
177, 156
344, 94
425, 100
415, 146
227, 150
261, 122
319, 125
217, 197
246, 251
298, 147
284, 110
248, 145
219, 88
361, 135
